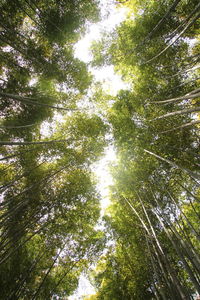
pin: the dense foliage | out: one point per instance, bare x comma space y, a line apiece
49, 205
154, 216
49, 139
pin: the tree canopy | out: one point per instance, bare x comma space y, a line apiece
147, 246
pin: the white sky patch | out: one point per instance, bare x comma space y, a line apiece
48, 128
84, 289
105, 179
7, 49
33, 81
112, 83
82, 48
101, 169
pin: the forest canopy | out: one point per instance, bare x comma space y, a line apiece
56, 122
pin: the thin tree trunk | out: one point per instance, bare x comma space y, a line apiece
190, 252
45, 277
182, 126
185, 83
186, 218
33, 143
13, 250
10, 183
194, 91
185, 71
173, 201
161, 21
44, 180
158, 245
23, 10
19, 153
16, 127
192, 174
64, 275
184, 22
155, 270
187, 96
7, 167
31, 221
21, 284
178, 112
172, 274
179, 252
11, 31
30, 101
170, 285
180, 34
186, 237
136, 213
49, 20
189, 192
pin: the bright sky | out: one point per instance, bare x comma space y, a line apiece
113, 83
104, 177
101, 170
106, 75
84, 288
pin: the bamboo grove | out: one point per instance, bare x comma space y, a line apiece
154, 216
149, 247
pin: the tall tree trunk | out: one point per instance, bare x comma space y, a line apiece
179, 35
32, 143
187, 244
155, 270
12, 182
189, 192
172, 100
182, 126
31, 101
158, 251
161, 21
172, 275
194, 258
180, 289
16, 127
173, 164
64, 275
186, 218
45, 277
180, 253
184, 22
17, 292
178, 112
45, 180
